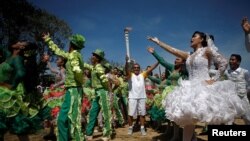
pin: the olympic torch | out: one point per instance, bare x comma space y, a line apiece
126, 33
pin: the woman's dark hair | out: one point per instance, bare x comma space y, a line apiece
203, 36
30, 50
212, 37
12, 42
167, 73
183, 71
64, 60
151, 73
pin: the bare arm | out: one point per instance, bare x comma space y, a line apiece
61, 82
168, 48
127, 69
247, 42
53, 70
246, 28
148, 71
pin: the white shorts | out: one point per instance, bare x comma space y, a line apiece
137, 107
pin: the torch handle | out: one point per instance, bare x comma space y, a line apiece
127, 45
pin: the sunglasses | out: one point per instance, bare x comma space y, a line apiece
136, 67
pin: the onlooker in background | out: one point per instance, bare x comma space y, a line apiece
241, 77
246, 28
54, 95
176, 71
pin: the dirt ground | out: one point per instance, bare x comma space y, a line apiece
121, 134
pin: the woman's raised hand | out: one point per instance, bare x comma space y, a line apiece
154, 39
151, 49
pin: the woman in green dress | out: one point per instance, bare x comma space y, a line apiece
17, 114
176, 71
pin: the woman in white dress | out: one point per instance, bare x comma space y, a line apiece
201, 98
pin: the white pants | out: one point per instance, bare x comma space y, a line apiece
137, 107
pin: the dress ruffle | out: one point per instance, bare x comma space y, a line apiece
19, 116
195, 101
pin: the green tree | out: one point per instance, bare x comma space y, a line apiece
19, 19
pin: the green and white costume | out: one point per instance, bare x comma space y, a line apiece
99, 82
69, 119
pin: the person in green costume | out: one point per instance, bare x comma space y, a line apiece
120, 99
100, 83
18, 114
115, 83
176, 71
69, 119
12, 72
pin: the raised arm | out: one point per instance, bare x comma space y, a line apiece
61, 82
168, 48
53, 70
154, 79
53, 46
163, 62
148, 71
127, 69
246, 28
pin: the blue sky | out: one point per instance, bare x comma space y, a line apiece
102, 22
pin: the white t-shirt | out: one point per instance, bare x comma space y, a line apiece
137, 86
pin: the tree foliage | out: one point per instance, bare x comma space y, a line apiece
19, 19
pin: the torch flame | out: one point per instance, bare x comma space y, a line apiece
128, 29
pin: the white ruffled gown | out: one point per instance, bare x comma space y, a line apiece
196, 101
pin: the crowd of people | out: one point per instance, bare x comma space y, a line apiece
197, 87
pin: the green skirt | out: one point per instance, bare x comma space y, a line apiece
19, 116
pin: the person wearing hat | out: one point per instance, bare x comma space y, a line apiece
69, 119
100, 83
